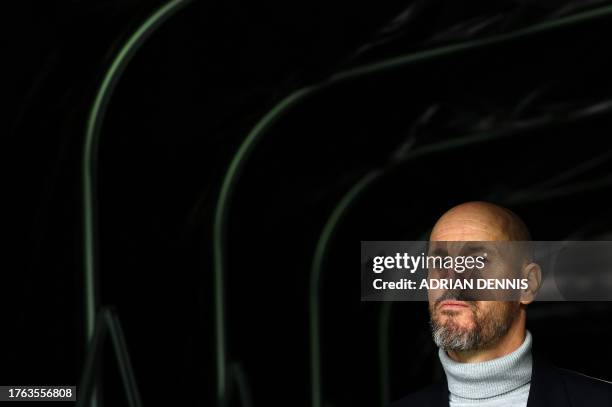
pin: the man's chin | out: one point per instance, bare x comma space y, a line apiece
462, 321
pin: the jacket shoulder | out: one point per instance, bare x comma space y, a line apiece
584, 388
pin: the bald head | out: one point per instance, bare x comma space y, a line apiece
479, 221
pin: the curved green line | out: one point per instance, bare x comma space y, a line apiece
219, 228
90, 152
90, 147
320, 252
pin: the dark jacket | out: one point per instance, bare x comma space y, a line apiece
550, 387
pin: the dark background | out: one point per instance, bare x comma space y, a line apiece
539, 106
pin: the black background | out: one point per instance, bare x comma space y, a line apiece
180, 111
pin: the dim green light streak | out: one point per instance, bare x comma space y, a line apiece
219, 235
92, 140
90, 157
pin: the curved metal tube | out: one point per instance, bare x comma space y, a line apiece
90, 149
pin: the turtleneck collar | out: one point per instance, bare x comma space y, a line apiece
491, 378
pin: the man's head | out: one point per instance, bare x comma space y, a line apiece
462, 324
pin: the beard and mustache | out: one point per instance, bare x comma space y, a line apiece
488, 324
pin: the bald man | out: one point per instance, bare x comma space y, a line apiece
484, 347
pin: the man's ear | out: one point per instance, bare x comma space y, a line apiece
533, 273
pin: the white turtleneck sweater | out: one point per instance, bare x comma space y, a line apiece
499, 382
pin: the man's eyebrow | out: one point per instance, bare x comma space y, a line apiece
477, 249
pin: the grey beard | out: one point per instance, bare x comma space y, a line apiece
447, 338
450, 337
